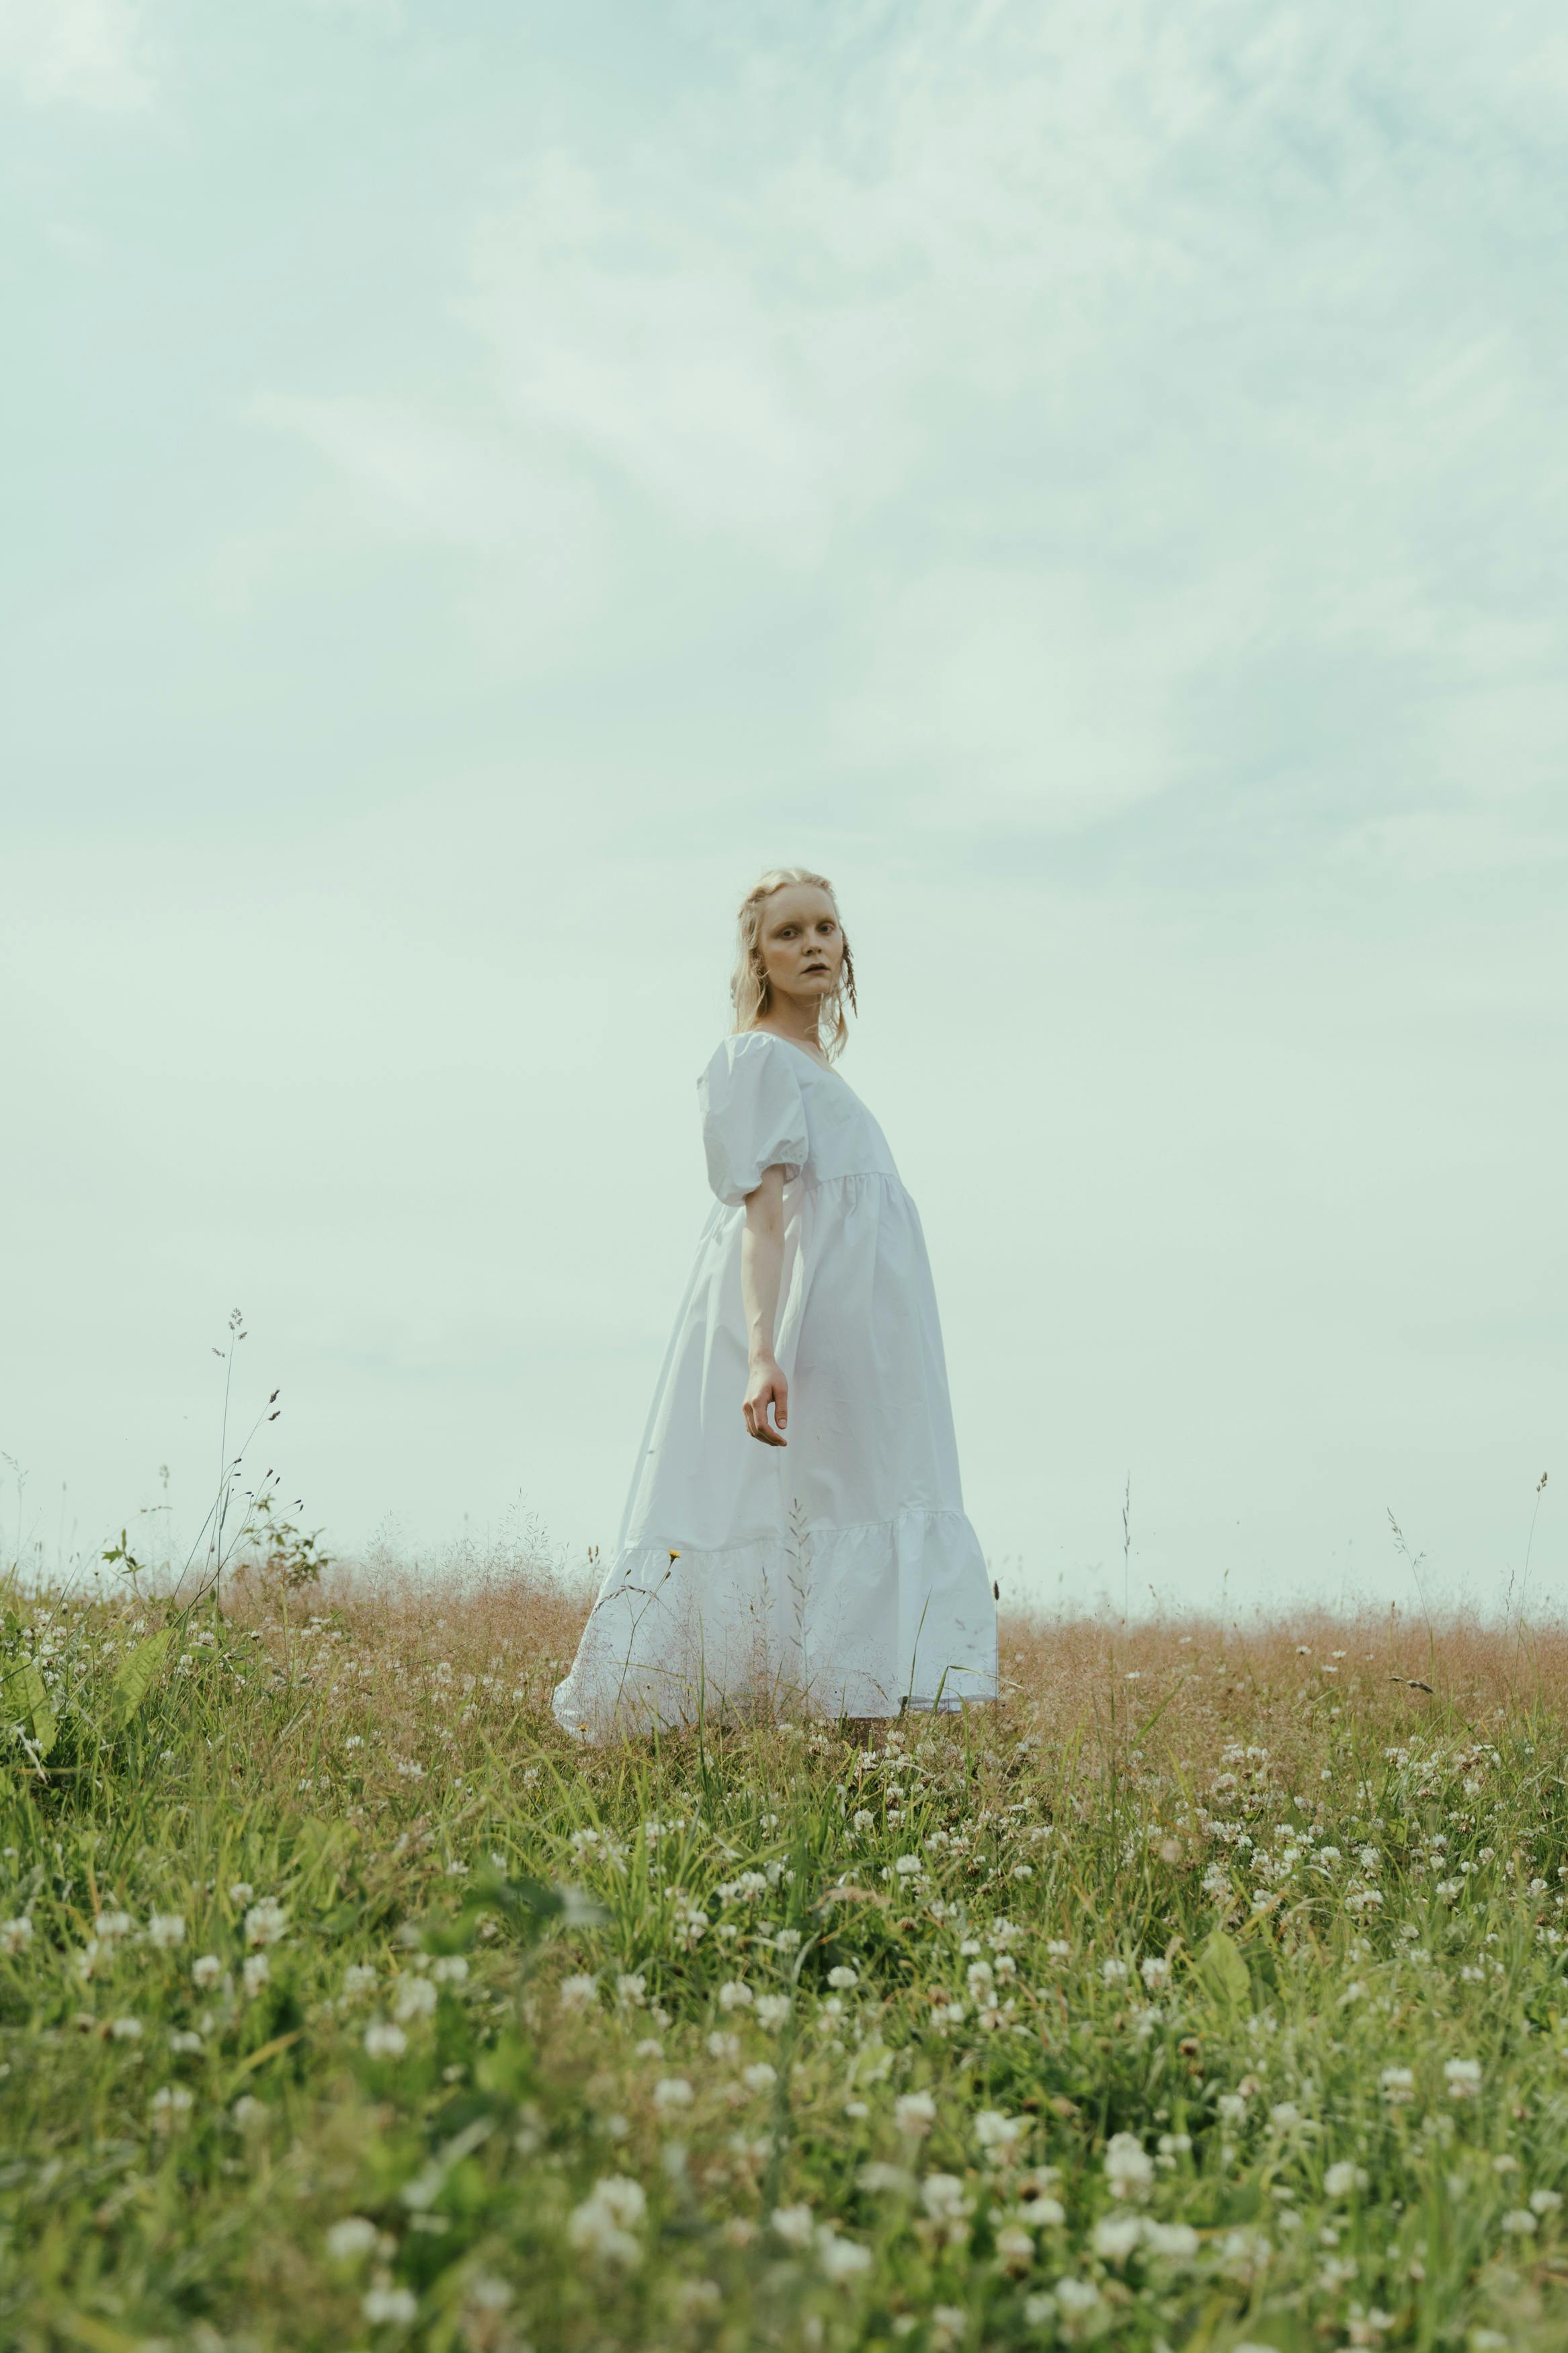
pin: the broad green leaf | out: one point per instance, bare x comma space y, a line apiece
36, 1699
136, 1676
1222, 1969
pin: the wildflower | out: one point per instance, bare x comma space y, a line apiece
575, 1993
878, 2177
206, 1969
241, 1892
993, 2130
793, 2224
384, 2041
1283, 2114
257, 1968
169, 2105
351, 2237
264, 1922
865, 1819
1464, 2078
1339, 2181
843, 1977
413, 1998
720, 2045
165, 1929
1544, 2202
126, 2030
451, 1968
1129, 2168
772, 2009
910, 1866
16, 1934
733, 1994
632, 1990
392, 2303
841, 2259
185, 2040
1520, 2223
671, 2092
1155, 1972
788, 1940
914, 2113
1113, 1971
248, 2113
109, 1926
1115, 2236
1398, 2084
944, 2198
1176, 2242
759, 2077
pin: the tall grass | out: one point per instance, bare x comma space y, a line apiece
1206, 1991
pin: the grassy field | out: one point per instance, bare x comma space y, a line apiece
1208, 1992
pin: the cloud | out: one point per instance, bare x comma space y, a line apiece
85, 53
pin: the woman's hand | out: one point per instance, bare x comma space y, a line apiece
766, 1386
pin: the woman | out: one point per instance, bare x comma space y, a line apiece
794, 1536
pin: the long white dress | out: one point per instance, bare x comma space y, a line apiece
836, 1573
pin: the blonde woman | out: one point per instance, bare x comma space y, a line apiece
795, 1536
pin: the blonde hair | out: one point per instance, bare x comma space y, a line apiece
751, 991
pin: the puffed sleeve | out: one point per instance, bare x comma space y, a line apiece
752, 1114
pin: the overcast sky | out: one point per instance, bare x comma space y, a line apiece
482, 483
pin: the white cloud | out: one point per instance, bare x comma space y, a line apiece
86, 53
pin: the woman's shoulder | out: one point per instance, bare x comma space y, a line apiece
750, 1045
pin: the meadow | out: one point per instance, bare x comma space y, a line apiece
1206, 1991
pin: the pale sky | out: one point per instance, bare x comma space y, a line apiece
480, 484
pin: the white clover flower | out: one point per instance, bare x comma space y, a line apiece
1113, 1971
671, 2092
265, 1923
945, 2197
390, 2303
1155, 1971
241, 1892
1546, 2201
165, 1929
1129, 2168
736, 1994
359, 1978
914, 2113
186, 2039
1077, 2298
384, 2041
1058, 1948
995, 2130
631, 1988
841, 2259
577, 1992
1173, 2241
772, 2009
413, 1998
1520, 2223
256, 1970
248, 2113
109, 1926
350, 2238
1115, 2236
794, 2225
169, 2103
1464, 2078
910, 1866
16, 1934
878, 2176
1284, 2116
206, 1969
759, 2076
843, 1977
126, 2030
864, 1819
449, 1968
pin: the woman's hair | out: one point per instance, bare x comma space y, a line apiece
751, 991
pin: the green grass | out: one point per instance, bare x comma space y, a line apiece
661, 2046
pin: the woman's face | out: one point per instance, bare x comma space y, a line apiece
801, 944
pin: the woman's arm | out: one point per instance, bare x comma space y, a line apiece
762, 1264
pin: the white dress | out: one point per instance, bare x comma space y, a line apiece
838, 1573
